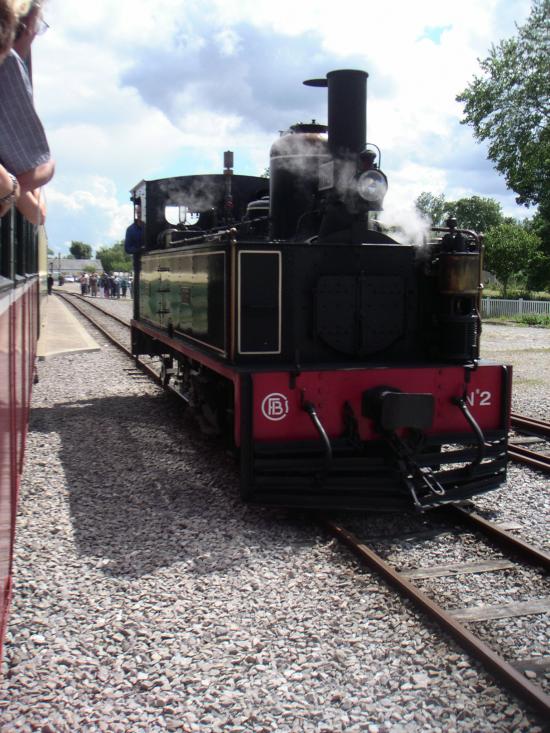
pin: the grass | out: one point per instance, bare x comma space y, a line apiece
532, 319
525, 319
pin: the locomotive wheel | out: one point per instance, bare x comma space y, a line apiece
166, 370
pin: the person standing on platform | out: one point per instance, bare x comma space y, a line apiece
49, 282
106, 283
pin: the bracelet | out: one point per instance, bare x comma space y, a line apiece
9, 198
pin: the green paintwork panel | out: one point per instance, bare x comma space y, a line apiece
186, 291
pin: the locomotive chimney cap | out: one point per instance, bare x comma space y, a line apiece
324, 82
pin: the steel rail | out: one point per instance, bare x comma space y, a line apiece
530, 424
538, 461
504, 539
534, 426
498, 666
93, 304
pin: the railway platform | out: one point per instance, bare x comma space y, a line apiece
61, 332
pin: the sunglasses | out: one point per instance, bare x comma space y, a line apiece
41, 27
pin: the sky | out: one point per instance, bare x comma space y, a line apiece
133, 89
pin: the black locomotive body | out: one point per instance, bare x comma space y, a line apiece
342, 364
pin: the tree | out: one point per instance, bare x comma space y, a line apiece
509, 106
115, 259
509, 249
476, 212
50, 252
538, 271
432, 207
80, 250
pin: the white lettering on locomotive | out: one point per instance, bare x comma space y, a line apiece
481, 397
275, 406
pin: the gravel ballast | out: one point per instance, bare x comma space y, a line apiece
149, 598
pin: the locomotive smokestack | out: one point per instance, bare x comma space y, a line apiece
347, 110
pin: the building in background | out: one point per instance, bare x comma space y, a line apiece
69, 267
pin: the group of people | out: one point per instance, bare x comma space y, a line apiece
113, 286
25, 160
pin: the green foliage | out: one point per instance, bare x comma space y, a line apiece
538, 276
115, 259
514, 293
533, 319
509, 249
50, 252
476, 212
432, 207
90, 268
81, 251
509, 106
538, 271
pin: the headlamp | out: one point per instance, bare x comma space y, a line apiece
372, 186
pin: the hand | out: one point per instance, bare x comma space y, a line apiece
9, 191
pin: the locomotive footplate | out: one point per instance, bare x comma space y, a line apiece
297, 475
359, 440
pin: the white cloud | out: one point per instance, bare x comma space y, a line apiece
91, 213
134, 89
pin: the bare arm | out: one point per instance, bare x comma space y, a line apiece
37, 177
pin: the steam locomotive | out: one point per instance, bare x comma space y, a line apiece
342, 364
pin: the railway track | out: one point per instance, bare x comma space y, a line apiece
76, 302
501, 669
537, 428
453, 621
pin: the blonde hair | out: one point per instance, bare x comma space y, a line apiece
13, 13
22, 8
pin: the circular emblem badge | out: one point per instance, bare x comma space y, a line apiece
275, 406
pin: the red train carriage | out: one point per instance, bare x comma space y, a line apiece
343, 363
23, 257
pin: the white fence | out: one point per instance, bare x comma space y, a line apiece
500, 307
